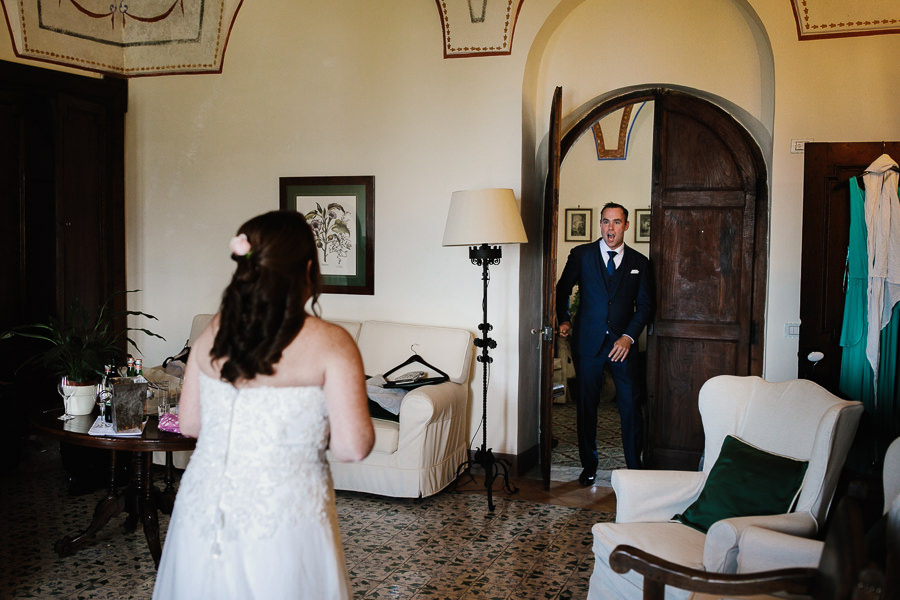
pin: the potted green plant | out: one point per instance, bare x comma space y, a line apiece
80, 348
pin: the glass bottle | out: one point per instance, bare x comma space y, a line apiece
139, 371
109, 373
130, 370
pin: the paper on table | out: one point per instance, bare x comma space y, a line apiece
100, 428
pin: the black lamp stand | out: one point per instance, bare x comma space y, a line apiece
484, 256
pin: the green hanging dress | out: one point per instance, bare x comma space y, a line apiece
856, 372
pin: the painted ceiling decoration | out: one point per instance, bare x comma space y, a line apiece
618, 125
478, 27
118, 37
817, 19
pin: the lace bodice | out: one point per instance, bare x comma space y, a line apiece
259, 463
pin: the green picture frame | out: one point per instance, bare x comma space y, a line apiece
341, 210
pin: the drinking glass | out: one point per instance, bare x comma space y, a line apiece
66, 392
161, 391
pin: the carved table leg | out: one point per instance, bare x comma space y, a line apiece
147, 504
133, 493
167, 496
105, 510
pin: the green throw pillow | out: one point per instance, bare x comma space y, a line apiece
745, 481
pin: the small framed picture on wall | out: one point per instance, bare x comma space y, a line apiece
641, 225
578, 224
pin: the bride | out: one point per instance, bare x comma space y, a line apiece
267, 389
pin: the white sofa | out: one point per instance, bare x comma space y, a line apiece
417, 456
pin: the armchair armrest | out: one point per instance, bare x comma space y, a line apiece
429, 404
654, 496
842, 567
658, 573
724, 540
763, 549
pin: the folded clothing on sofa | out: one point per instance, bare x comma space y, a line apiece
388, 399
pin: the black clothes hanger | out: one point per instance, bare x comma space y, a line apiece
415, 358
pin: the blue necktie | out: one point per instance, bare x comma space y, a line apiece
611, 265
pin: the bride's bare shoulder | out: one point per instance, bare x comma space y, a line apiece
325, 336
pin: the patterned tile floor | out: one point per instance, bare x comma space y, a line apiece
446, 546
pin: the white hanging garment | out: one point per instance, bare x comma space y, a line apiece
883, 241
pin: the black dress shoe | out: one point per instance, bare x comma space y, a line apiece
587, 477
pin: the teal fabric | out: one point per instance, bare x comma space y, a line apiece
745, 481
856, 373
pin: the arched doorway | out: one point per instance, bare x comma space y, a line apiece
709, 224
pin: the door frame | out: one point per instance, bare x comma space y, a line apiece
760, 267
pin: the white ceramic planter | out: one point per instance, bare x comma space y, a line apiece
82, 400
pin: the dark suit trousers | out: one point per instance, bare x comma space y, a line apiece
629, 396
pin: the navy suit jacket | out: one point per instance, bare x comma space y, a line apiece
622, 305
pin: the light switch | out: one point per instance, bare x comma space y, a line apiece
799, 146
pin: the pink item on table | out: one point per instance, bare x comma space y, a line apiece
169, 422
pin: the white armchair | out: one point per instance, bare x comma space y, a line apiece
764, 549
796, 419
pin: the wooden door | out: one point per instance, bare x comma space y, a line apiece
12, 299
826, 233
708, 248
62, 178
83, 170
551, 210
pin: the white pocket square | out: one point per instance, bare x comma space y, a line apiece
634, 271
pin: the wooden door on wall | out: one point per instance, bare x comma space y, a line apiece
826, 232
708, 223
62, 180
548, 293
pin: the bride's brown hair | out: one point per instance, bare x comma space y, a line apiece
263, 307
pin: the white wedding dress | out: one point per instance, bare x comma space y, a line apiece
255, 514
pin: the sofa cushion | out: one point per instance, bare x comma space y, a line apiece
387, 436
385, 345
745, 481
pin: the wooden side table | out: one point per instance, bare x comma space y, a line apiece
141, 499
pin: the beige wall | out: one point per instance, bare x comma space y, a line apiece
361, 88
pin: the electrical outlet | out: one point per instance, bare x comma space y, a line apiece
798, 146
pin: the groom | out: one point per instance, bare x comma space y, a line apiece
617, 301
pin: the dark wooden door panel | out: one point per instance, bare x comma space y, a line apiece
551, 217
706, 248
82, 176
62, 184
826, 233
698, 278
686, 364
12, 298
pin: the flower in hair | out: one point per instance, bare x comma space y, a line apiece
240, 245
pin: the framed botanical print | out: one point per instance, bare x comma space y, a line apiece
341, 212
